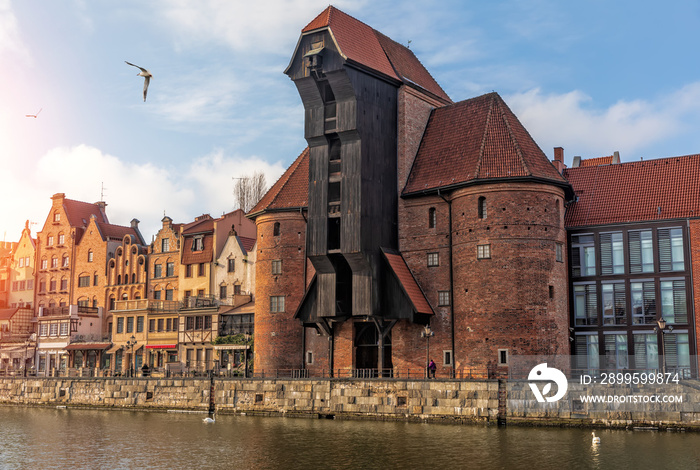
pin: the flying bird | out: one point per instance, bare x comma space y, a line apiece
33, 115
147, 78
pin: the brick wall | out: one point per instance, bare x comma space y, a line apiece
278, 335
694, 231
499, 303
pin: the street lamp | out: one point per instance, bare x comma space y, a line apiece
427, 333
130, 344
662, 327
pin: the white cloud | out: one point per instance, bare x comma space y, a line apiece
10, 41
572, 120
262, 27
131, 190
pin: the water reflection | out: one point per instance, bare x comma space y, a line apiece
53, 438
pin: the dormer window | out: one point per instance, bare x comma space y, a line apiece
198, 244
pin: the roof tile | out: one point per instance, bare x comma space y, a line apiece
476, 139
660, 189
291, 190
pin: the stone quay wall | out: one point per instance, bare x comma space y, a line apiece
458, 401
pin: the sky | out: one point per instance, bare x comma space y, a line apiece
592, 77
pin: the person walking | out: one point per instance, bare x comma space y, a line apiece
431, 369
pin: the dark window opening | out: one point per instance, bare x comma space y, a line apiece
334, 233
432, 218
482, 207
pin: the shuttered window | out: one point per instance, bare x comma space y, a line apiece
585, 304
646, 352
643, 302
583, 255
616, 352
587, 353
612, 258
671, 250
614, 304
673, 305
641, 251
677, 351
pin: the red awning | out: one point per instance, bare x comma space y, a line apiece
161, 346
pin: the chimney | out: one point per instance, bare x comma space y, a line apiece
616, 157
577, 162
559, 159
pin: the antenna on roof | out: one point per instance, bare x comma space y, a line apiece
409, 44
102, 192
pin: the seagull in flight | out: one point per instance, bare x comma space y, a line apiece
33, 115
147, 78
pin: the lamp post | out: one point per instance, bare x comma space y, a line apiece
427, 333
130, 343
662, 327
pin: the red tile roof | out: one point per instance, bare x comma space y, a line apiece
196, 257
665, 188
473, 141
118, 232
361, 44
7, 313
79, 212
408, 283
291, 191
247, 243
205, 223
597, 161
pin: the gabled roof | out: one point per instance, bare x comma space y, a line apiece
363, 45
246, 243
79, 212
477, 141
666, 188
7, 313
204, 223
290, 192
118, 232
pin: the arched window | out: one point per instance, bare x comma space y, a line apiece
119, 279
482, 207
276, 229
54, 261
125, 296
432, 218
66, 261
133, 278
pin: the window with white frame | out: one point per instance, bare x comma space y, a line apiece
198, 244
61, 239
90, 256
64, 328
44, 329
433, 259
483, 251
447, 357
53, 329
276, 303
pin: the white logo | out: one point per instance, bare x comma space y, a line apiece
542, 373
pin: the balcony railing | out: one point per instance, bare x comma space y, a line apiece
147, 304
200, 301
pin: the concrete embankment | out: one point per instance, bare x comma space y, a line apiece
419, 400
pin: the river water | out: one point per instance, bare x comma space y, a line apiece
51, 438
